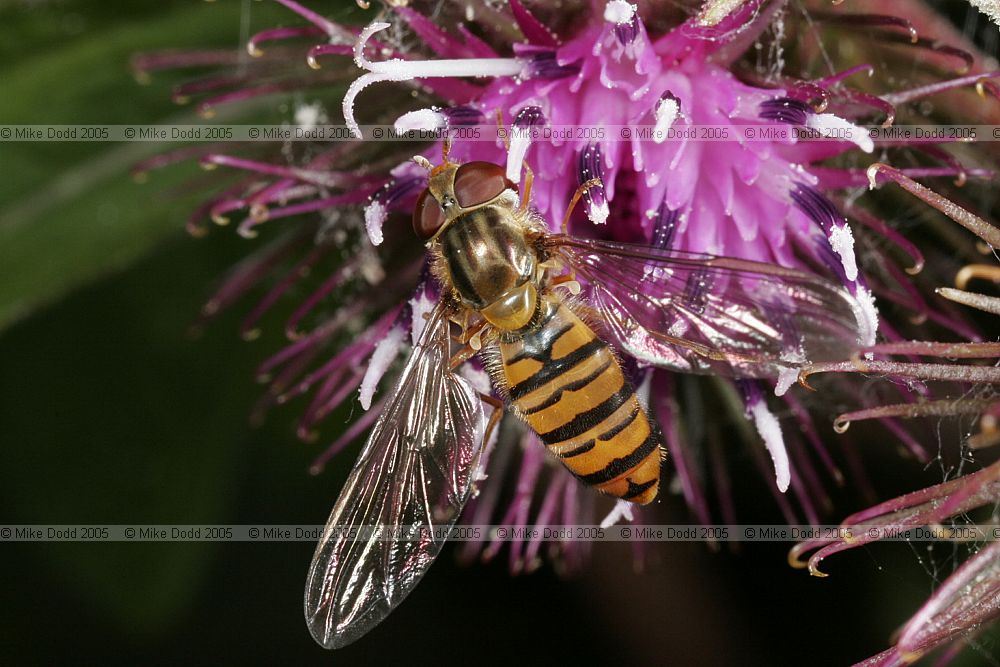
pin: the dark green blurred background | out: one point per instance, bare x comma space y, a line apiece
112, 414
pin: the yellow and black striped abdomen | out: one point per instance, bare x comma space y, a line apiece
568, 386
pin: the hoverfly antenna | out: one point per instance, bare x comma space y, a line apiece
423, 162
445, 149
426, 164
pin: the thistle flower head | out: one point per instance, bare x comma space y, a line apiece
698, 182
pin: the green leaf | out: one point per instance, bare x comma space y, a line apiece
114, 415
69, 212
111, 415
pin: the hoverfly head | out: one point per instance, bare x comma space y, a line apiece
479, 183
436, 204
456, 189
428, 216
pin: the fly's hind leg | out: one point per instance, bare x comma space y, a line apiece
495, 417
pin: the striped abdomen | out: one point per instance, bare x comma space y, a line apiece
568, 385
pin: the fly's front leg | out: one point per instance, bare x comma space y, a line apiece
446, 147
586, 185
502, 130
529, 179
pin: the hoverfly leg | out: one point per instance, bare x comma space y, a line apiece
586, 185
473, 335
464, 354
462, 322
495, 416
501, 131
471, 339
553, 263
529, 178
568, 281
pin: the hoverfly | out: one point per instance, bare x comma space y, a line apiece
500, 270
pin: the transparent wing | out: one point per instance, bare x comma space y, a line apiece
700, 313
414, 472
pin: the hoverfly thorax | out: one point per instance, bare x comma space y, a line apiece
468, 212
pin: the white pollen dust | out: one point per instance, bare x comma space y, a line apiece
375, 216
866, 315
421, 119
621, 510
666, 113
519, 144
770, 431
989, 7
308, 116
383, 356
842, 242
786, 378
420, 306
619, 12
598, 214
835, 127
713, 11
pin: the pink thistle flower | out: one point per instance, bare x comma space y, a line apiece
772, 198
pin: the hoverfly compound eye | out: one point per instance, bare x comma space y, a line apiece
427, 216
478, 182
